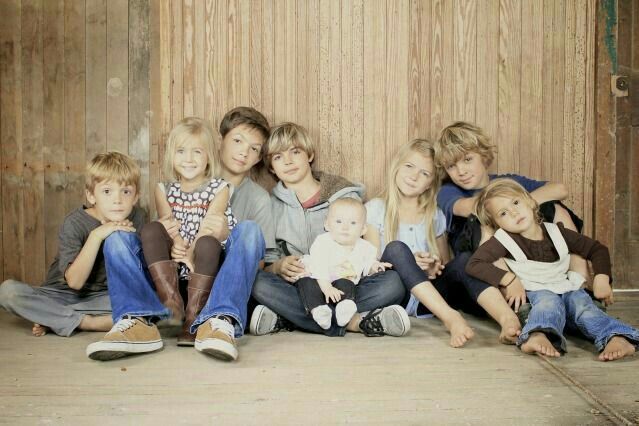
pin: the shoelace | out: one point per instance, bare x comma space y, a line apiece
371, 325
123, 325
222, 325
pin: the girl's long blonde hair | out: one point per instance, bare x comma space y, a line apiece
187, 129
427, 202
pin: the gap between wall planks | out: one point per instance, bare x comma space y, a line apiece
82, 76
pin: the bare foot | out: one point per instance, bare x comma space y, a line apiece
618, 347
39, 330
96, 323
460, 331
539, 343
510, 330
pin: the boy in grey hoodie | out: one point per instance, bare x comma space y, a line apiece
300, 203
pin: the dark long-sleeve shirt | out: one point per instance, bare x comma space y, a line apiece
481, 265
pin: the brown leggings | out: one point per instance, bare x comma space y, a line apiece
157, 244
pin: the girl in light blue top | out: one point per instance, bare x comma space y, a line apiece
408, 227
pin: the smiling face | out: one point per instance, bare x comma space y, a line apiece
346, 223
415, 175
190, 161
112, 201
240, 150
291, 166
511, 213
469, 172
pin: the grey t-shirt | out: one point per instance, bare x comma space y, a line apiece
73, 234
251, 202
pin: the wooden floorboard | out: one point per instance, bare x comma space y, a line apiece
294, 378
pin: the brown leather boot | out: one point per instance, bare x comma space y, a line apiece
199, 289
165, 278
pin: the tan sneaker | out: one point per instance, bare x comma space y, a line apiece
215, 337
127, 337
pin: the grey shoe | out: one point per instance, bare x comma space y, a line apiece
389, 321
265, 321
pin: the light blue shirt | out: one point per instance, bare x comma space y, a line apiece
413, 235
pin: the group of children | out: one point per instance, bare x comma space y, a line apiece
311, 256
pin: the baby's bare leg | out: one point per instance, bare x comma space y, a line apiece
96, 323
618, 347
538, 343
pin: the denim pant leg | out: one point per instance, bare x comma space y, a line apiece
379, 290
583, 315
50, 307
130, 285
232, 286
282, 298
548, 315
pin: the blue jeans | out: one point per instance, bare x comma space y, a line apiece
133, 294
374, 291
244, 249
575, 310
130, 286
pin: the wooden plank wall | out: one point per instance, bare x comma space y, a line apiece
79, 77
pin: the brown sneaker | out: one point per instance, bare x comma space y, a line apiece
127, 337
215, 337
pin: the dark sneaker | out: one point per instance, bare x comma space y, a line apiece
264, 321
216, 337
389, 321
128, 336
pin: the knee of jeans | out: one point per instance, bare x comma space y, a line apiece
396, 251
394, 287
9, 292
119, 242
249, 231
581, 303
549, 302
206, 246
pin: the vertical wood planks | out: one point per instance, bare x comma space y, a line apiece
117, 75
11, 137
419, 70
464, 57
96, 77
55, 182
139, 103
32, 139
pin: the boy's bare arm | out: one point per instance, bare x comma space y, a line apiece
464, 207
77, 273
550, 192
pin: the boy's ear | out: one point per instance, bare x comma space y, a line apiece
90, 196
311, 158
364, 230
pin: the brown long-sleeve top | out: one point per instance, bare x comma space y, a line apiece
481, 265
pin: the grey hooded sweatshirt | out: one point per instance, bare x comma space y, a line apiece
296, 228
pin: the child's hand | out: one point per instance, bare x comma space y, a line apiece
379, 267
602, 289
171, 225
290, 268
107, 228
515, 294
332, 294
424, 259
179, 249
435, 269
215, 225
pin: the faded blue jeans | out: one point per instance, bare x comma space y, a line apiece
575, 310
374, 291
133, 294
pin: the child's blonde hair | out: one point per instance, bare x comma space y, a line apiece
426, 201
186, 130
283, 137
348, 202
502, 187
113, 166
458, 139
